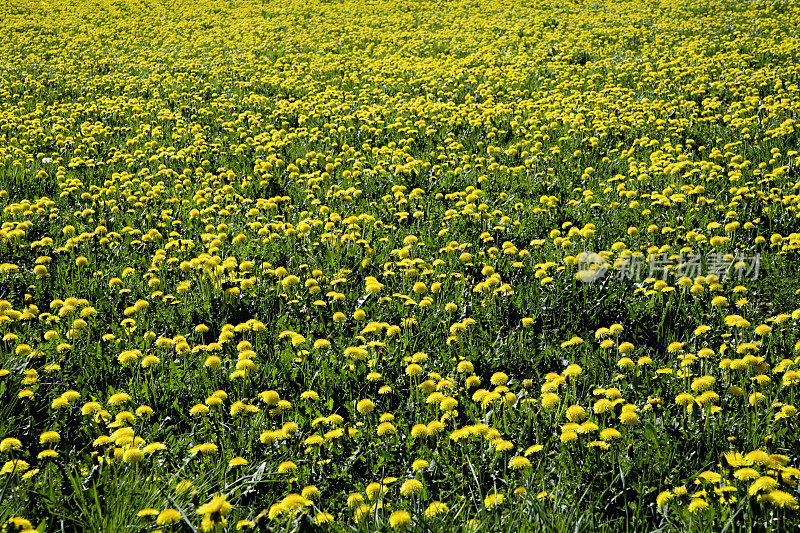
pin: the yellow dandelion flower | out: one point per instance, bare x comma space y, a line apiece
354, 500
697, 505
10, 443
499, 378
287, 467
119, 398
663, 498
365, 406
323, 518
576, 413
519, 463
419, 464
15, 466
49, 437
206, 448
436, 508
549, 400
493, 500
779, 498
217, 505
762, 484
400, 520
385, 428
411, 487
133, 456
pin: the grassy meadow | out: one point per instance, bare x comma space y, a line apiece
361, 265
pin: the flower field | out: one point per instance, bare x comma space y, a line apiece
371, 266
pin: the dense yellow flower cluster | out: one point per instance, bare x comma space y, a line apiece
398, 264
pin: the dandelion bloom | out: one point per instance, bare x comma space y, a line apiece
287, 467
386, 428
133, 456
419, 464
465, 367
14, 466
218, 504
198, 410
779, 498
625, 347
365, 406
603, 405
719, 301
761, 485
534, 449
323, 518
625, 363
448, 404
756, 398
400, 520
576, 413
436, 508
205, 448
293, 502
413, 370
519, 463
119, 398
322, 344
49, 437
374, 489
663, 498
502, 445
550, 400
493, 500
697, 505
710, 477
628, 417
309, 395
354, 500
154, 447
609, 434
311, 492
684, 399
10, 443
419, 431
168, 516
675, 347
702, 383
568, 436
499, 378
411, 487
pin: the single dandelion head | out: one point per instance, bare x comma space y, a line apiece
436, 508
400, 520
519, 463
411, 487
10, 443
168, 516
498, 379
